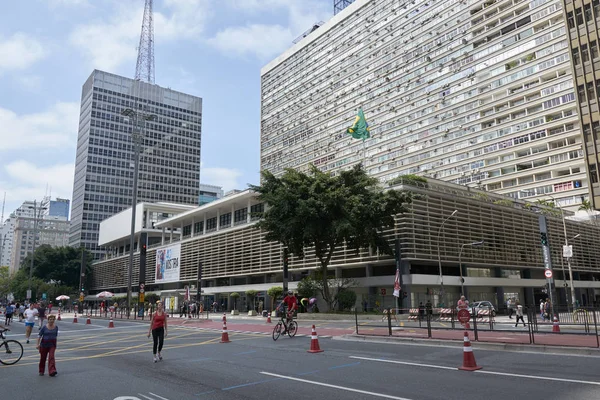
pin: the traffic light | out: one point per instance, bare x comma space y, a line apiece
544, 238
143, 250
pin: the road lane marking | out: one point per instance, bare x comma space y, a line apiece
545, 378
344, 365
250, 384
386, 396
404, 363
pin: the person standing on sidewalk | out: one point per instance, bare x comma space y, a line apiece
510, 306
158, 329
46, 344
29, 314
520, 314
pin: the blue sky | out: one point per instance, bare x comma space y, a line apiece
210, 48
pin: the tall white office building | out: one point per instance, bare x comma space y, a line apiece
170, 157
480, 93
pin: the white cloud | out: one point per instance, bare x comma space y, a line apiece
262, 41
29, 181
54, 128
112, 42
225, 177
19, 51
30, 82
265, 41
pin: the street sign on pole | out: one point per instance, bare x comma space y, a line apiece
548, 273
44, 296
464, 316
567, 251
28, 295
383, 291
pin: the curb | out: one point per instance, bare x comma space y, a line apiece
520, 348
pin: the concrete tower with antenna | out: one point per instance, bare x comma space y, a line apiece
144, 68
339, 5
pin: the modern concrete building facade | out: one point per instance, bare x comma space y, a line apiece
209, 193
583, 23
170, 157
479, 93
236, 257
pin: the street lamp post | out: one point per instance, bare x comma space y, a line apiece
439, 254
137, 135
462, 281
573, 297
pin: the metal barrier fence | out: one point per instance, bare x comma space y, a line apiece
571, 328
135, 313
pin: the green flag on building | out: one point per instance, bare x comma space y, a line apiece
360, 128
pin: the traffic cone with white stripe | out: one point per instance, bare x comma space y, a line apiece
111, 323
224, 334
59, 319
469, 363
88, 321
555, 325
75, 318
314, 342
268, 318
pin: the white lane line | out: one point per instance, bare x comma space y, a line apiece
386, 396
160, 397
545, 378
405, 363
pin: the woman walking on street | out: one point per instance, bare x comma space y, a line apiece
158, 328
46, 344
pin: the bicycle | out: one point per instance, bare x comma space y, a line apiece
11, 351
290, 328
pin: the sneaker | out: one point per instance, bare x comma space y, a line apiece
53, 374
28, 341
159, 357
41, 374
155, 359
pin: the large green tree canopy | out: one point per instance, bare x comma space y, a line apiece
324, 211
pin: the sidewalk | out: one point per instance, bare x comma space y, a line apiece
496, 346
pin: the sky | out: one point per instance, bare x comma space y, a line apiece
209, 48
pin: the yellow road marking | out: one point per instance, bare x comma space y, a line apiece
119, 352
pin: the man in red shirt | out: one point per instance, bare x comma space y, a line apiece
291, 304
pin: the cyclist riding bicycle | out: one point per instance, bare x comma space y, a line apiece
291, 304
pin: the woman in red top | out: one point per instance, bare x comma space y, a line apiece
158, 328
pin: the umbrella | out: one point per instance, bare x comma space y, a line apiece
63, 297
104, 294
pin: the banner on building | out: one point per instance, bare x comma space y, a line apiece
168, 263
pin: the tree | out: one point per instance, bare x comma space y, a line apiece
4, 282
325, 212
346, 299
251, 294
586, 205
234, 296
274, 293
307, 287
60, 265
409, 179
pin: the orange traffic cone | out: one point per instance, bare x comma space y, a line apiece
268, 318
314, 342
75, 318
469, 363
88, 321
111, 324
555, 325
59, 319
225, 335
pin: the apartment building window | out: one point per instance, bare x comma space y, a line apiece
570, 20
594, 49
199, 227
593, 172
581, 92
590, 90
561, 187
187, 230
240, 215
588, 12
585, 56
579, 16
575, 56
211, 223
225, 220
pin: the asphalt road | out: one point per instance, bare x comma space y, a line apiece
95, 362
